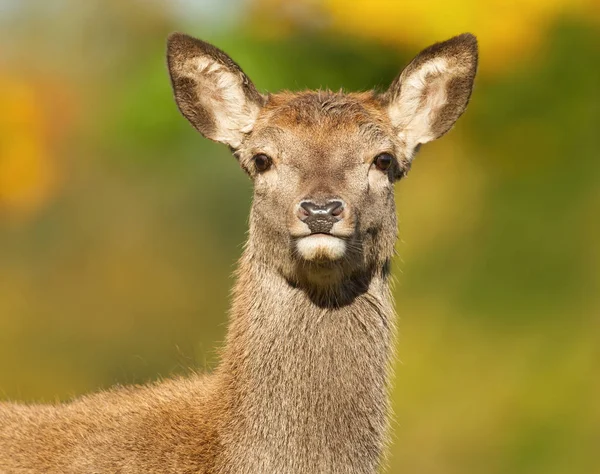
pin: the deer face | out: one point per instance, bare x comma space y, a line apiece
323, 164
324, 167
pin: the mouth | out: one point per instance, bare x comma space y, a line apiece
321, 247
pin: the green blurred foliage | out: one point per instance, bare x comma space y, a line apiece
122, 274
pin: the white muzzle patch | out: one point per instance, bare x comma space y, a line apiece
321, 247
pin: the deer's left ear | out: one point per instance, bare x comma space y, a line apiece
211, 90
431, 93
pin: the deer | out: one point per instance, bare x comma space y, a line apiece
303, 380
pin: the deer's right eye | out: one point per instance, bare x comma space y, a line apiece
383, 161
262, 162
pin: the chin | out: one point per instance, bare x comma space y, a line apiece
321, 248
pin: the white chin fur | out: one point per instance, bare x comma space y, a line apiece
321, 247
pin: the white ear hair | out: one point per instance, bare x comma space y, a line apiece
433, 91
421, 97
220, 91
211, 90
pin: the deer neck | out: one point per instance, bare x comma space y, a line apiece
307, 381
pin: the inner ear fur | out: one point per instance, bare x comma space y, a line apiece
211, 90
432, 92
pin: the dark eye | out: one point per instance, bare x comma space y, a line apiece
262, 162
383, 161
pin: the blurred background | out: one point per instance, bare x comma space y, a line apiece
120, 226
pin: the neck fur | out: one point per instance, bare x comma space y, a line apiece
307, 377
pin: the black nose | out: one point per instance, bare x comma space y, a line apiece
320, 217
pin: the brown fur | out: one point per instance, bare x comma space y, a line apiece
303, 382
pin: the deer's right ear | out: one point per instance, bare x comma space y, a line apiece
433, 91
211, 90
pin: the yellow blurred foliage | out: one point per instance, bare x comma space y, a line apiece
431, 203
28, 169
507, 30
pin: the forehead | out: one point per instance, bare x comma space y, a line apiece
323, 121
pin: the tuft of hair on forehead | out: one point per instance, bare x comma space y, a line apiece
322, 106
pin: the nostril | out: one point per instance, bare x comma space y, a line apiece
305, 210
309, 210
336, 208
320, 218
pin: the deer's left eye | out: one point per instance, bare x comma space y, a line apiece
262, 162
383, 161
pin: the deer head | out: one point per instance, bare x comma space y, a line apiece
323, 164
